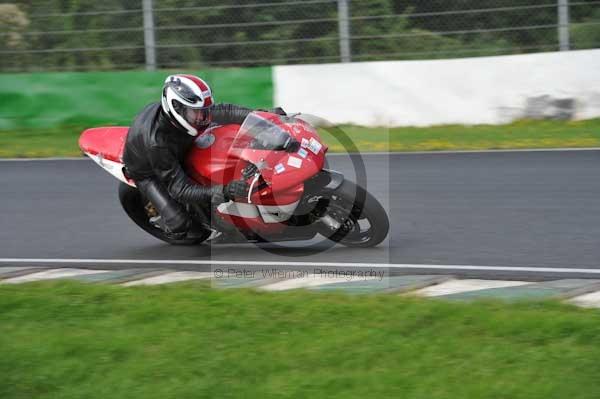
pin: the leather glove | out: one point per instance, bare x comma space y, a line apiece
235, 189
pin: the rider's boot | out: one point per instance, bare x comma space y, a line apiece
158, 222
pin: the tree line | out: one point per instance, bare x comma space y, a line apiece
76, 34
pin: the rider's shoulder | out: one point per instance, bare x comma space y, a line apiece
151, 108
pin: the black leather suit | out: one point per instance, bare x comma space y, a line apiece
154, 155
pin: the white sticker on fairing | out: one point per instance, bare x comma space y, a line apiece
279, 168
314, 146
304, 142
295, 162
302, 152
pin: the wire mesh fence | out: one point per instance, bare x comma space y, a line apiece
133, 34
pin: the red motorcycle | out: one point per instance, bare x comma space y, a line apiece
291, 197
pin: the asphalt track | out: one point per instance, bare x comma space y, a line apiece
515, 209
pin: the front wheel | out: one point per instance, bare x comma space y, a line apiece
354, 218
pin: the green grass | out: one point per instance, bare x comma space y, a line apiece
69, 340
40, 143
62, 141
517, 135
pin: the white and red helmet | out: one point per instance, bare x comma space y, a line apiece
188, 102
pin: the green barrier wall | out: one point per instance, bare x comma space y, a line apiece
46, 100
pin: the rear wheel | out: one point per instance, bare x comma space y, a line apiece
137, 209
354, 217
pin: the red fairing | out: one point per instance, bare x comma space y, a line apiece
104, 145
220, 155
108, 142
210, 163
214, 161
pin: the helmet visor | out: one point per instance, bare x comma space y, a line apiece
196, 117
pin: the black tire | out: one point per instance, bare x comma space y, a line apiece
133, 205
358, 204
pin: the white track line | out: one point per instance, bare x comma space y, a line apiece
465, 151
50, 274
360, 153
295, 264
458, 286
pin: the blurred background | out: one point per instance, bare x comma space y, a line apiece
74, 35
66, 65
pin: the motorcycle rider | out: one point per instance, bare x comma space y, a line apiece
158, 141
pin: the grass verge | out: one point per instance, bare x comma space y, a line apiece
40, 143
62, 141
70, 340
518, 135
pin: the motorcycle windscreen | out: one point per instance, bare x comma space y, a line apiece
261, 133
273, 146
262, 141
